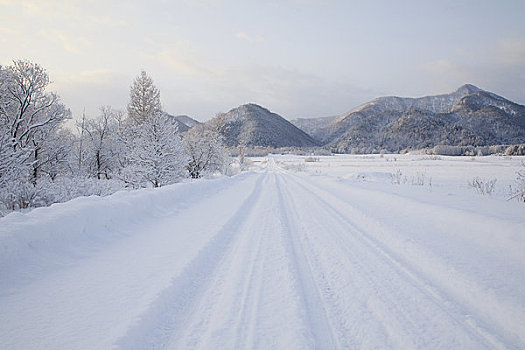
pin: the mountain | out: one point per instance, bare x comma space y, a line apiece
188, 121
257, 126
467, 116
184, 123
313, 126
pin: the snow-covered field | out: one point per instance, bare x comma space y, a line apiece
359, 252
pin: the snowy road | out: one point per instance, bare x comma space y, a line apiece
268, 259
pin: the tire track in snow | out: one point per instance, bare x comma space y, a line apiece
266, 264
481, 308
171, 309
319, 325
342, 278
208, 318
240, 292
453, 308
252, 301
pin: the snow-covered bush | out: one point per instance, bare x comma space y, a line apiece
246, 164
432, 157
421, 179
65, 188
295, 166
24, 194
483, 186
17, 195
397, 177
518, 191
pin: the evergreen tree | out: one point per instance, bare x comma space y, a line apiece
144, 99
155, 154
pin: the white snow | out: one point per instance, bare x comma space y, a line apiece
332, 254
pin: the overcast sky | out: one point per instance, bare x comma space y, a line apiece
298, 58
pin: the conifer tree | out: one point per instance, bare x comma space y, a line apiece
155, 153
144, 99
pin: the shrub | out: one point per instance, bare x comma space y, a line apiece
398, 178
483, 186
421, 179
518, 191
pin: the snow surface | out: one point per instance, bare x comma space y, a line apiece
331, 254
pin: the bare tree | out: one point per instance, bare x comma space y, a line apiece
29, 114
81, 125
30, 120
204, 146
100, 137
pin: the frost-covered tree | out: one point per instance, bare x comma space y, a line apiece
29, 115
519, 190
55, 158
7, 154
205, 149
98, 143
155, 153
144, 99
30, 118
12, 158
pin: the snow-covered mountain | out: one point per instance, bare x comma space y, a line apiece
184, 122
467, 116
312, 125
257, 126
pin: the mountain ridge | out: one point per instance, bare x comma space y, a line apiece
467, 116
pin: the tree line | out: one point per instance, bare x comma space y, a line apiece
43, 162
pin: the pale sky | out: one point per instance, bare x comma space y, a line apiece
298, 58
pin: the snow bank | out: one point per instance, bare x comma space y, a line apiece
46, 238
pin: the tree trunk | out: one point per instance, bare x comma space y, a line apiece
99, 165
35, 168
